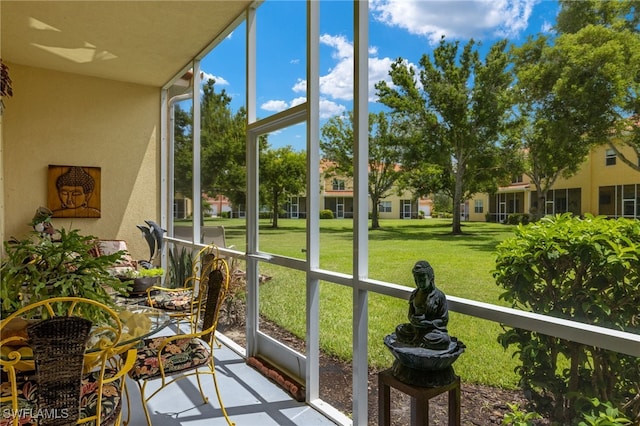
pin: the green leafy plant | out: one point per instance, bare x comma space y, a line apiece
604, 415
143, 273
518, 417
582, 269
180, 266
38, 268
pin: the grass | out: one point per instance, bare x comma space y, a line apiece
462, 266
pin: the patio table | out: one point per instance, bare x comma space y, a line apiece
138, 323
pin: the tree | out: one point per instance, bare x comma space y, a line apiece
183, 151
457, 112
223, 146
282, 174
549, 137
383, 160
222, 143
598, 52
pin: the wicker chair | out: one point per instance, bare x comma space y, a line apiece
63, 382
168, 359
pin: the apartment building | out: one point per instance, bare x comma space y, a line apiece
604, 185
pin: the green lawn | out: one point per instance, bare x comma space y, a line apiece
462, 266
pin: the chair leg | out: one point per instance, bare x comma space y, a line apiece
125, 393
205, 398
215, 384
141, 386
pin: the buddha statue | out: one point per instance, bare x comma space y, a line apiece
423, 349
428, 313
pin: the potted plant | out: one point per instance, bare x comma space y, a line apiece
141, 279
39, 267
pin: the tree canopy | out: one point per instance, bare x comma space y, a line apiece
597, 60
455, 115
282, 175
385, 153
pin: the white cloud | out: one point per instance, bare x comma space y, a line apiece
274, 105
329, 108
300, 86
547, 27
337, 83
463, 19
219, 81
297, 101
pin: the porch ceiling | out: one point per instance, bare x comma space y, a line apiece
144, 42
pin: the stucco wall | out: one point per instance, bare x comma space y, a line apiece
65, 119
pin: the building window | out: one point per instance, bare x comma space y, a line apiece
384, 207
516, 179
610, 158
338, 185
478, 206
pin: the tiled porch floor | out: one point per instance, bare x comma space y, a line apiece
249, 397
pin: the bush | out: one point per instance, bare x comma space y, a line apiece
582, 269
605, 414
326, 214
517, 218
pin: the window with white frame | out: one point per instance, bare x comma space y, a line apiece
478, 206
610, 157
338, 185
384, 207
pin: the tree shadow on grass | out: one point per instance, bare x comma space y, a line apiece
478, 239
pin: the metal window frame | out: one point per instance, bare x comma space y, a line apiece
257, 342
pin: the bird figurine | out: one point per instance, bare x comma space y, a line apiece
41, 223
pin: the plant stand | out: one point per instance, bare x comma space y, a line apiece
420, 397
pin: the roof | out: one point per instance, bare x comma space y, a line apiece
143, 42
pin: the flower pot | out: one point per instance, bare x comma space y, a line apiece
140, 285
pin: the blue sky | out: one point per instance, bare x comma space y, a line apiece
397, 28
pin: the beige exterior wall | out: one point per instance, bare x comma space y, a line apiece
593, 174
65, 119
330, 198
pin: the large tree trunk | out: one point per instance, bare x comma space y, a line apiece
375, 224
274, 223
457, 199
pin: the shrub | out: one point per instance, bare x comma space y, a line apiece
326, 214
582, 269
517, 218
519, 417
605, 415
180, 266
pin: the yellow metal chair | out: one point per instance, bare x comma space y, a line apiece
59, 368
181, 302
171, 358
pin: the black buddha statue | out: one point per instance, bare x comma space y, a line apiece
428, 313
423, 349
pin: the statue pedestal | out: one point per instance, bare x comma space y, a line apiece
420, 397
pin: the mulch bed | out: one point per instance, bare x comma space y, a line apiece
480, 405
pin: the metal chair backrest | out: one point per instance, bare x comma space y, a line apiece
214, 235
211, 277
